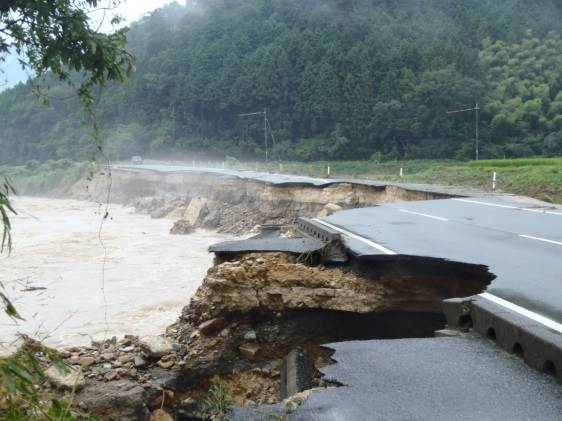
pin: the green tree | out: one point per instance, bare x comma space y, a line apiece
526, 94
56, 38
380, 75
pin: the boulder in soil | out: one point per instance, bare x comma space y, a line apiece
161, 415
155, 346
182, 227
73, 379
115, 401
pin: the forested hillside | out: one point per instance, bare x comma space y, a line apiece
340, 79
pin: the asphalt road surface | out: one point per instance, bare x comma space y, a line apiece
289, 179
522, 246
438, 379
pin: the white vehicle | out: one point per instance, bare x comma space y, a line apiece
136, 160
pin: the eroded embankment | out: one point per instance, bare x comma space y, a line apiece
231, 204
249, 313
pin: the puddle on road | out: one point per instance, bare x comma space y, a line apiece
55, 274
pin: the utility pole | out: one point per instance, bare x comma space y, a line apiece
476, 110
265, 134
266, 127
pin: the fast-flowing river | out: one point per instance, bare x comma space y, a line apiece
73, 279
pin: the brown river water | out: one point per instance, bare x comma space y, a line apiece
59, 283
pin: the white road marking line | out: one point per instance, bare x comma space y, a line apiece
485, 203
530, 237
356, 237
542, 211
424, 214
508, 207
551, 324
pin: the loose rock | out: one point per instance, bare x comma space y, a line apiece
182, 227
155, 346
85, 361
249, 352
161, 415
70, 380
139, 362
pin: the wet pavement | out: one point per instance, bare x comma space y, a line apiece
464, 379
521, 245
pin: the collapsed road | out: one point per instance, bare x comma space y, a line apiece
522, 245
281, 313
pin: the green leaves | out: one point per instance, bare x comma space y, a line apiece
525, 83
5, 208
21, 378
8, 307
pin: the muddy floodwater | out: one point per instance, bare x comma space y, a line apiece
72, 284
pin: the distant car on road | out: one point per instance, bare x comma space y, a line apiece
136, 160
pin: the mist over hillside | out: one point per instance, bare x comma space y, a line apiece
339, 79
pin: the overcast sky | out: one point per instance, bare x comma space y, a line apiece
130, 10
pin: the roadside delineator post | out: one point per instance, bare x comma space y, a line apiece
494, 178
328, 172
401, 172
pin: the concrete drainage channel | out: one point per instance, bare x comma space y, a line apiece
539, 346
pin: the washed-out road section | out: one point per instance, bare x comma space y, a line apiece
521, 245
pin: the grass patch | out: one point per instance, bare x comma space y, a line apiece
35, 177
540, 178
521, 162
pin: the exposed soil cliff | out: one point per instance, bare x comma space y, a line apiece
249, 313
232, 204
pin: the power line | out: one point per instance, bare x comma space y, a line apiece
476, 110
266, 129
